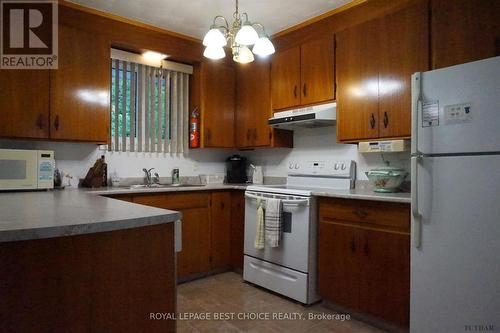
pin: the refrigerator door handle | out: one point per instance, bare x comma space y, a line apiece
417, 222
415, 99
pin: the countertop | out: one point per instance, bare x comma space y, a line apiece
361, 192
32, 215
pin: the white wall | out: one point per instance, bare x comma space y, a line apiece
77, 158
318, 143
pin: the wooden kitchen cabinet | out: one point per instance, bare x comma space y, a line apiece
24, 104
375, 61
285, 78
253, 108
79, 88
196, 232
220, 214
303, 75
364, 257
317, 70
213, 92
463, 31
357, 56
237, 229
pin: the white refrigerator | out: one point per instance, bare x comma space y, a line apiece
455, 169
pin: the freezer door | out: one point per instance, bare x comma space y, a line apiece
459, 109
455, 273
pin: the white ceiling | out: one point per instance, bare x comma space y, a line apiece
194, 17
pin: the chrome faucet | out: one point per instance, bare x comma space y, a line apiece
148, 178
156, 178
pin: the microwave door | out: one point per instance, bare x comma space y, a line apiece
18, 169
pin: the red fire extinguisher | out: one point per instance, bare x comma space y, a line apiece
194, 129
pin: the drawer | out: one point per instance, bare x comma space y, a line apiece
174, 201
385, 214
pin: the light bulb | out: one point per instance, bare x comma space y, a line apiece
214, 37
263, 47
214, 52
246, 35
244, 55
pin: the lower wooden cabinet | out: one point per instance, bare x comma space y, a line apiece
364, 262
212, 228
237, 229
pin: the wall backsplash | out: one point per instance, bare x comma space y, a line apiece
310, 144
320, 144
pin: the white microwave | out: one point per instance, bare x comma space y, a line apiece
26, 169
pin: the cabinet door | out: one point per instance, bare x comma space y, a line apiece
384, 287
195, 256
237, 228
80, 87
217, 104
24, 103
253, 104
357, 82
404, 40
285, 78
317, 70
338, 264
463, 31
221, 229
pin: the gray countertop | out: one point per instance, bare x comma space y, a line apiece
32, 215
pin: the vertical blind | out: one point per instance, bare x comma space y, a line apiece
149, 108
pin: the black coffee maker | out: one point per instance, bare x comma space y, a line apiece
236, 169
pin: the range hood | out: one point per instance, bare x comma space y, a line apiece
311, 116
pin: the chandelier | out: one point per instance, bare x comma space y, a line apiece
241, 35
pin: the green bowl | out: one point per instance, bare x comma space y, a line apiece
386, 180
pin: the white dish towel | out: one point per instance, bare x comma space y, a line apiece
273, 222
259, 231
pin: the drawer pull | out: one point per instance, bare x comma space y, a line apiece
361, 214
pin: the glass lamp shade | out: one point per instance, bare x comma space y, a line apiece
244, 55
214, 38
214, 52
263, 47
246, 35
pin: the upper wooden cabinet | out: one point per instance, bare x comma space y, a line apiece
464, 30
24, 103
304, 74
317, 70
375, 61
253, 108
213, 91
79, 88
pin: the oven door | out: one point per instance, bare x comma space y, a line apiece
18, 169
293, 251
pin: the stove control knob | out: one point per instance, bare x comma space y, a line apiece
290, 165
296, 166
343, 166
336, 167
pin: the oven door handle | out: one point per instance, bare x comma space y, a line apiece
298, 202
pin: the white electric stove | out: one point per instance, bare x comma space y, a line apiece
290, 269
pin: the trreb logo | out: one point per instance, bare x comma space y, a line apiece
29, 34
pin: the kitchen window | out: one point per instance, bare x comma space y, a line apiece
149, 104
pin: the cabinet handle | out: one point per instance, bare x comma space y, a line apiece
295, 91
222, 206
248, 134
372, 121
360, 213
386, 120
255, 134
39, 121
56, 123
208, 135
353, 245
304, 90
